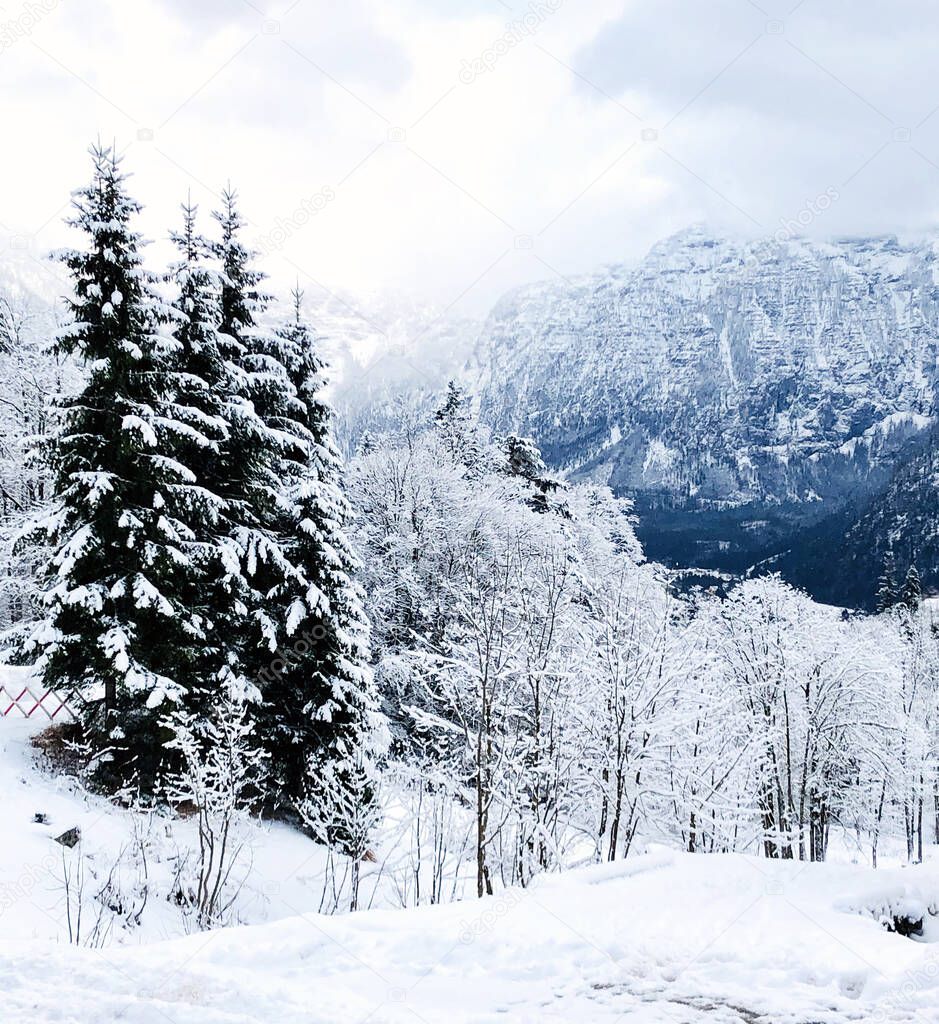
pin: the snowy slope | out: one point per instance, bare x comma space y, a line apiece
663, 937
659, 938
283, 870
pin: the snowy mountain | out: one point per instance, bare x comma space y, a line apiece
843, 557
739, 391
752, 397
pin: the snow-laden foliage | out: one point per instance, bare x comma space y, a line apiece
580, 705
31, 375
196, 522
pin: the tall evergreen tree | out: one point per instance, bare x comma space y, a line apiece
887, 594
259, 445
912, 591
319, 711
118, 629
304, 653
207, 401
454, 423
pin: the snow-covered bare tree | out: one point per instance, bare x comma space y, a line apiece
219, 777
32, 375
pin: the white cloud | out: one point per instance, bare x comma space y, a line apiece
457, 189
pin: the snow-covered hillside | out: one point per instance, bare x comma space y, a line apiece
661, 937
282, 869
739, 390
723, 370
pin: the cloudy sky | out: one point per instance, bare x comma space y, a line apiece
453, 148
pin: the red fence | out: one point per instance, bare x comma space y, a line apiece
28, 700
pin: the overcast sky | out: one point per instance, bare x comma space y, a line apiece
454, 148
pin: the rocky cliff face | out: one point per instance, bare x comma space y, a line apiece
740, 392
841, 559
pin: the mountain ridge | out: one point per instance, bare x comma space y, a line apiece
739, 391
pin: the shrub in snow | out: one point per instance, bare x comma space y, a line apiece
220, 776
102, 895
899, 905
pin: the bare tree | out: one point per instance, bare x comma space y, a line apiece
221, 769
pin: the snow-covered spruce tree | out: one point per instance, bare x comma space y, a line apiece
259, 382
456, 428
523, 460
887, 589
255, 456
117, 627
304, 648
208, 399
912, 592
318, 716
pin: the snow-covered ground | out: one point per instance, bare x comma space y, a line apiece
663, 937
283, 868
